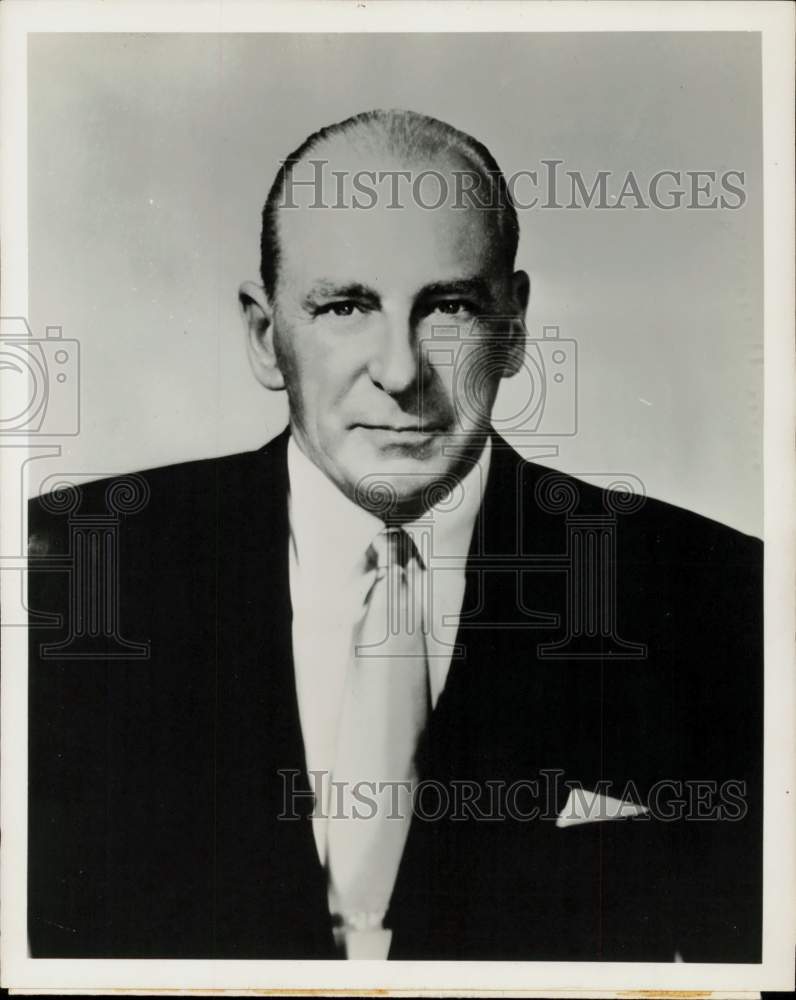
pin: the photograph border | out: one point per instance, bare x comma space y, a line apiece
775, 22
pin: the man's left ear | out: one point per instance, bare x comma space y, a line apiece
258, 319
520, 291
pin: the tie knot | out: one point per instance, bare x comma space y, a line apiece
391, 547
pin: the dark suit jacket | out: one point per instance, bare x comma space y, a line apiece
155, 786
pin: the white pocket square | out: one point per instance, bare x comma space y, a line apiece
589, 807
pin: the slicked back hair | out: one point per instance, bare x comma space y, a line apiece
410, 136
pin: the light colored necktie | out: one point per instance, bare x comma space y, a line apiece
385, 710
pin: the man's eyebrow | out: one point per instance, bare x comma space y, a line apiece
323, 290
475, 287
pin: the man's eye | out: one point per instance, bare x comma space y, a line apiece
341, 309
454, 307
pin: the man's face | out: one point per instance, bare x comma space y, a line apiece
360, 291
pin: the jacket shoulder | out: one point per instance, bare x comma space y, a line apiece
187, 494
655, 527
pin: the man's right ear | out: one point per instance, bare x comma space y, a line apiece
258, 319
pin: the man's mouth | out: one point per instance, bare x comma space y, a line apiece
404, 428
410, 435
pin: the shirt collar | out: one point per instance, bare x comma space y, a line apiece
330, 534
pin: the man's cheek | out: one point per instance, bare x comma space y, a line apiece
437, 397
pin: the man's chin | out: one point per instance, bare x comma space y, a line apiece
401, 482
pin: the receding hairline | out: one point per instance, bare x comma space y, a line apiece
411, 139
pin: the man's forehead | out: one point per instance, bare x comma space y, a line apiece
343, 215
381, 248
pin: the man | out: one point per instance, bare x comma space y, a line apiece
404, 694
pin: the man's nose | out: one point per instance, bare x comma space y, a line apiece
395, 363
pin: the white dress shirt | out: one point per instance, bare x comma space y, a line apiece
329, 539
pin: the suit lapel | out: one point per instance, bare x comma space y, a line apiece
503, 714
430, 878
271, 897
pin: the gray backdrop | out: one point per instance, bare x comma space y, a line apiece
150, 157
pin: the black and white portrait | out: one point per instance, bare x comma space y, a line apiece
388, 428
